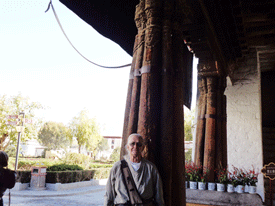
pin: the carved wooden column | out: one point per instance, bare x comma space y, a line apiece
209, 71
210, 126
215, 152
132, 102
157, 93
200, 129
140, 23
148, 120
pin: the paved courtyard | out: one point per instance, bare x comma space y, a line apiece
88, 196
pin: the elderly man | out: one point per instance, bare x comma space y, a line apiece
146, 187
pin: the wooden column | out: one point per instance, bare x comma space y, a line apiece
181, 62
166, 133
128, 106
200, 129
157, 96
132, 102
148, 120
134, 110
210, 130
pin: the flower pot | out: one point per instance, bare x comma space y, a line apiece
246, 188
211, 186
201, 185
220, 187
252, 189
230, 188
193, 185
186, 184
240, 189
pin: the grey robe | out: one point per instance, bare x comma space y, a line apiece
147, 180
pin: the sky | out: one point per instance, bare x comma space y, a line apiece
38, 61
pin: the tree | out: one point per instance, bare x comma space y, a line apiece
54, 135
115, 154
86, 131
103, 144
13, 106
188, 124
188, 155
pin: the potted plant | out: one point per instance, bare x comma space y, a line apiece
192, 171
222, 179
252, 181
240, 177
232, 182
203, 177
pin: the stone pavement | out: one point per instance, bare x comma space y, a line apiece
91, 195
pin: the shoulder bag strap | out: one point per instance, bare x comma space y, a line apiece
130, 184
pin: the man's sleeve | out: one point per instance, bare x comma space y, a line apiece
159, 190
109, 194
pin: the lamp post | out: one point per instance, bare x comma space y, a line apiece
19, 129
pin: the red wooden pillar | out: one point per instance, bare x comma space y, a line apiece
200, 129
134, 109
148, 119
166, 132
210, 130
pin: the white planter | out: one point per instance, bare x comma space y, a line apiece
186, 184
201, 185
211, 186
240, 189
246, 188
230, 188
252, 189
193, 185
220, 187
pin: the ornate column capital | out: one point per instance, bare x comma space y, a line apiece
209, 68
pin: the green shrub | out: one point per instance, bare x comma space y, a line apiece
63, 167
75, 158
101, 173
76, 176
27, 163
23, 176
99, 165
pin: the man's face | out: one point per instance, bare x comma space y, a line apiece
135, 146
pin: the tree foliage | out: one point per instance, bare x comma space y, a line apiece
188, 155
86, 131
13, 105
54, 135
103, 144
189, 116
115, 154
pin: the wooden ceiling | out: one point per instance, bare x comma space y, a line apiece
222, 30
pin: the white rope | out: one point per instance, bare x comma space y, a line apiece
57, 19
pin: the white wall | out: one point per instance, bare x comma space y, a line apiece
244, 130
